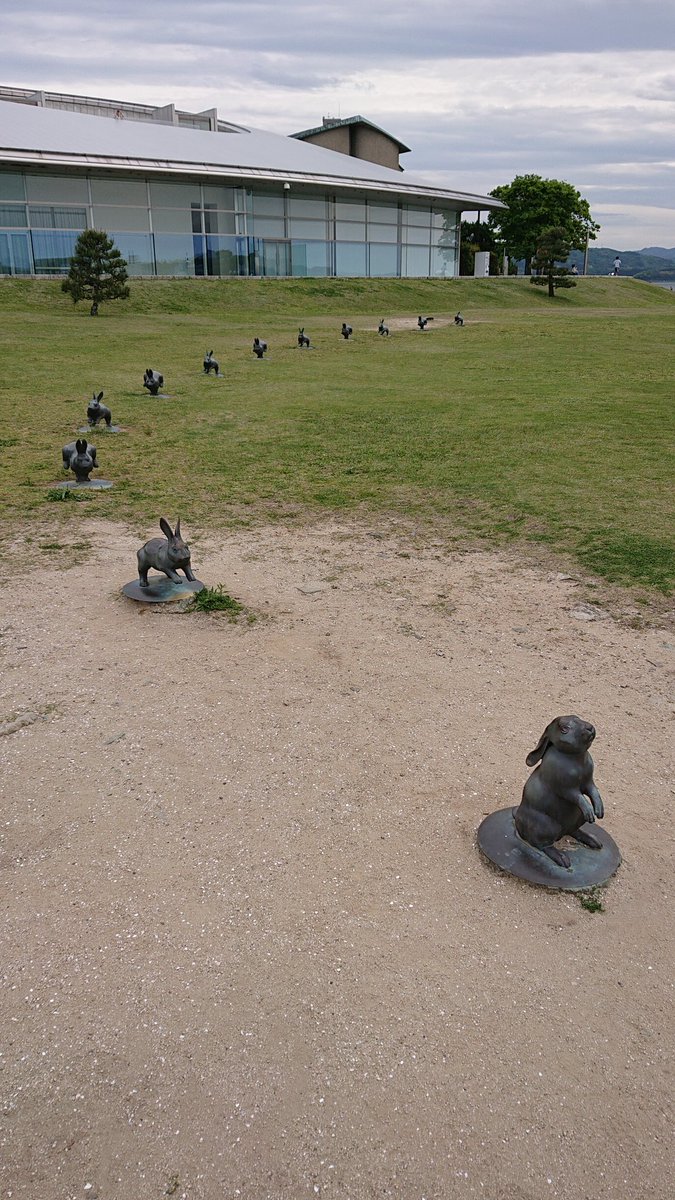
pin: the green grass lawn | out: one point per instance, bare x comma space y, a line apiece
547, 420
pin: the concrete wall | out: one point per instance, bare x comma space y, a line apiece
361, 142
369, 144
332, 139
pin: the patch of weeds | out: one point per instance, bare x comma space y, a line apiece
65, 494
590, 900
51, 545
172, 1186
216, 599
629, 557
8, 442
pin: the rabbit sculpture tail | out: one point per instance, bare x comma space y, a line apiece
560, 796
169, 555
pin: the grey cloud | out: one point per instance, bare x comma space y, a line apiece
379, 32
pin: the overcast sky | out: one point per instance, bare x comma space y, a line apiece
581, 90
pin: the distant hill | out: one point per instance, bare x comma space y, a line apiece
659, 252
654, 263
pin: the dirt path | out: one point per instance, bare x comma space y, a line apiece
249, 948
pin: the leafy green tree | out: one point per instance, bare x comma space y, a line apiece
97, 270
553, 247
536, 205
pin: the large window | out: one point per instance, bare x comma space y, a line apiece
267, 205
120, 191
15, 254
48, 217
350, 231
57, 189
52, 251
175, 195
137, 251
383, 261
226, 256
12, 186
175, 254
272, 227
307, 206
133, 219
350, 259
13, 216
415, 261
310, 258
314, 230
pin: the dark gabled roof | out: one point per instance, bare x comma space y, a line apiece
341, 121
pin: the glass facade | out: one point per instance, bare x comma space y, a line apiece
198, 227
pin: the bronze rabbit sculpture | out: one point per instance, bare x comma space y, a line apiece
168, 554
98, 412
80, 458
560, 796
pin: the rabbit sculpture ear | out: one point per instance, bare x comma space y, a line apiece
81, 445
542, 746
177, 529
166, 528
99, 397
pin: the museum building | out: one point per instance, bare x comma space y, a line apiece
187, 194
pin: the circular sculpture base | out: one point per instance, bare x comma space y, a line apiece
500, 842
87, 485
160, 589
100, 429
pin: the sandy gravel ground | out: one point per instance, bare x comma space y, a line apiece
249, 948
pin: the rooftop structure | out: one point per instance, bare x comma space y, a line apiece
358, 137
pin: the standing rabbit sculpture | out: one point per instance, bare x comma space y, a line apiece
560, 796
169, 555
303, 340
210, 364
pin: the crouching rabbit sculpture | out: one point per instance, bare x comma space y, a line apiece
169, 554
80, 458
152, 380
560, 796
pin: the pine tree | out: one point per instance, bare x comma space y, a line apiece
97, 270
553, 247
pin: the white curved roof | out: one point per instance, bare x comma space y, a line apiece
32, 136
